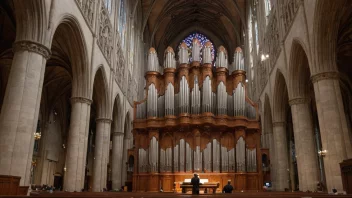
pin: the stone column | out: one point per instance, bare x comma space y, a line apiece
100, 154
117, 151
126, 145
77, 144
333, 127
281, 161
306, 153
20, 109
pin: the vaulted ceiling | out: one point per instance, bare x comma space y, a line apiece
167, 22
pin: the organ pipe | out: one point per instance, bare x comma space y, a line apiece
224, 159
153, 155
169, 100
230, 105
240, 155
142, 160
166, 160
169, 58
239, 100
195, 97
207, 96
207, 157
221, 99
238, 59
153, 62
197, 159
182, 154
207, 58
251, 160
196, 50
188, 157
184, 96
176, 158
152, 101
216, 155
183, 53
221, 60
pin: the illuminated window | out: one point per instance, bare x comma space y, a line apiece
122, 23
202, 39
108, 5
267, 7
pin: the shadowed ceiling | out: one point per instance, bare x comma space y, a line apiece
167, 22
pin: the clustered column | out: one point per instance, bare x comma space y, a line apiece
281, 157
101, 153
333, 127
307, 163
20, 109
77, 144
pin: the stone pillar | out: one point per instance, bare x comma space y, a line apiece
77, 144
281, 161
117, 153
20, 109
100, 154
333, 127
306, 153
126, 145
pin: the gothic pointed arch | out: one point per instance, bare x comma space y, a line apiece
299, 72
69, 31
280, 98
100, 94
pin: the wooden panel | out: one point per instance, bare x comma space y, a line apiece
168, 183
252, 182
22, 190
9, 185
154, 183
240, 182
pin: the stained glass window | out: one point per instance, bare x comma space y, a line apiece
202, 39
122, 22
108, 5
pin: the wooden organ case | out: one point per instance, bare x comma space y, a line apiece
196, 118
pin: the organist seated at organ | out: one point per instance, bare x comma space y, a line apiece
203, 184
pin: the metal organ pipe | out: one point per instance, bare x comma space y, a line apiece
153, 62
207, 53
207, 95
169, 58
239, 100
195, 97
184, 95
183, 53
152, 101
196, 50
169, 100
240, 155
221, 99
221, 60
238, 59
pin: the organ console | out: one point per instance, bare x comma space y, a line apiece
196, 118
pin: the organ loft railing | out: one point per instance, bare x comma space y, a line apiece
195, 118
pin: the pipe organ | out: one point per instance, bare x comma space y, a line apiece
196, 117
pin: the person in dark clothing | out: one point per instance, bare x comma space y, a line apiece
228, 188
195, 183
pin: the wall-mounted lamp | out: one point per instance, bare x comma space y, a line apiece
322, 153
65, 169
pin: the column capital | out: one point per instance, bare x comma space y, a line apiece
31, 46
81, 100
106, 120
276, 124
324, 76
297, 101
117, 133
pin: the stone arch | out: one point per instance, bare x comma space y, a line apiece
100, 93
280, 98
116, 115
31, 13
325, 32
69, 29
298, 71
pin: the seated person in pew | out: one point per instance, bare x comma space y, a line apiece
228, 188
